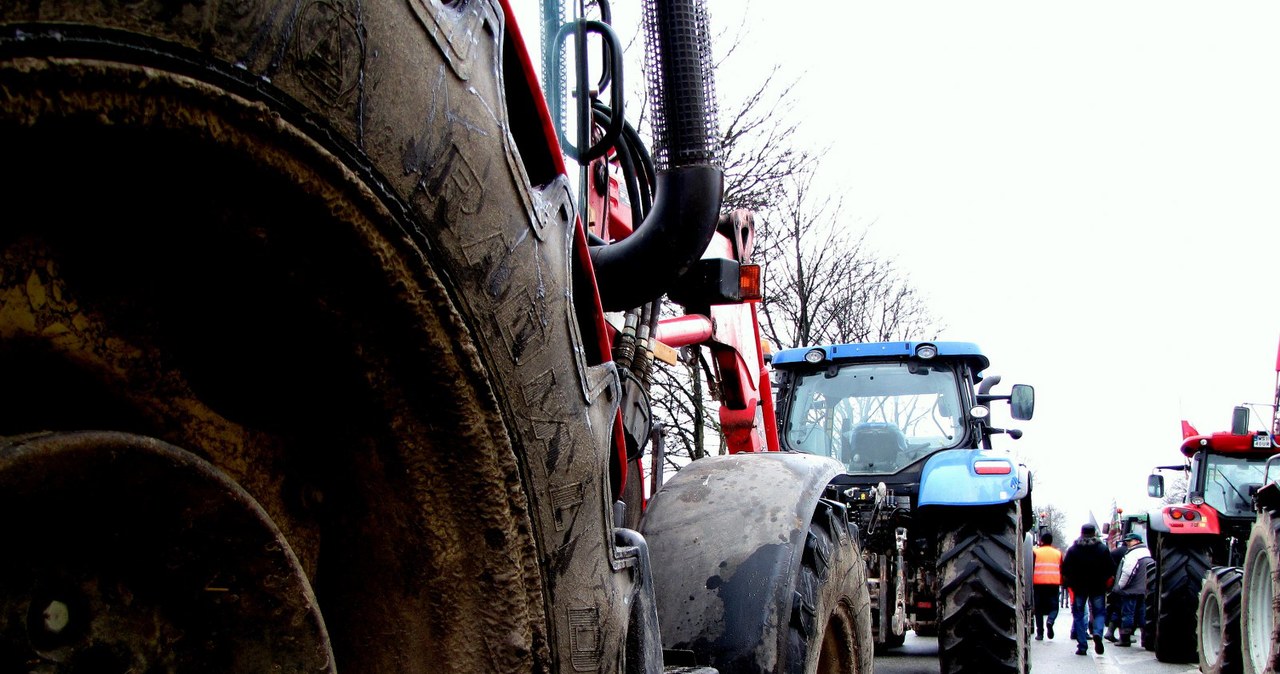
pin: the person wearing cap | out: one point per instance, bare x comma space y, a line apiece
1131, 585
1087, 571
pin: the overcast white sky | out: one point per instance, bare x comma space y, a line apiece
1088, 190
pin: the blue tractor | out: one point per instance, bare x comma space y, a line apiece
944, 518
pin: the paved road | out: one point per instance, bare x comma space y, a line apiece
919, 655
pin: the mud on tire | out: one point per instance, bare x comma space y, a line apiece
1218, 621
300, 241
824, 634
755, 572
983, 616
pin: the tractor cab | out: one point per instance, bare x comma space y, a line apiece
881, 408
1224, 471
910, 422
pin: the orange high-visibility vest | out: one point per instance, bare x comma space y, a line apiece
1048, 566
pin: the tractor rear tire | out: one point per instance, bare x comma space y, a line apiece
1260, 619
303, 243
1218, 621
1183, 564
984, 622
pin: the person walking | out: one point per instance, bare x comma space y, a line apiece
1047, 579
1088, 572
1131, 586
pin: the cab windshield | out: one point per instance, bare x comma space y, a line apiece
1228, 481
875, 417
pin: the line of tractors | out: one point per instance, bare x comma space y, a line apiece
327, 339
1213, 596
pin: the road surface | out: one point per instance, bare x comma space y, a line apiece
919, 655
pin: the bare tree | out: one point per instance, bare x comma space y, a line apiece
1176, 492
1051, 519
825, 285
822, 282
759, 155
686, 407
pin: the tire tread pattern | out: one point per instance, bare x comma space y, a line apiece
982, 614
1264, 544
828, 550
1222, 586
1182, 568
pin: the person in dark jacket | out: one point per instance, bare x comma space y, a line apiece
1131, 586
1087, 570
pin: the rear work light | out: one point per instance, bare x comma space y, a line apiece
750, 285
992, 467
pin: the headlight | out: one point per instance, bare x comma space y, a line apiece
815, 356
926, 351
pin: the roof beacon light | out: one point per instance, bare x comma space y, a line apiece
926, 351
815, 356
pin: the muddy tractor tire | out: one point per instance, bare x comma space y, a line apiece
314, 252
755, 573
983, 613
1260, 617
1218, 621
1182, 567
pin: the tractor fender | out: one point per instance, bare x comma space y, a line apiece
721, 532
952, 478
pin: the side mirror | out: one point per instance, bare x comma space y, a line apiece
1155, 486
1240, 420
1022, 402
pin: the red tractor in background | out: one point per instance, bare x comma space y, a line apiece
318, 355
1200, 544
1209, 529
1238, 614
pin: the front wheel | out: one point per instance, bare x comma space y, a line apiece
1183, 565
763, 576
982, 604
1259, 639
1218, 621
